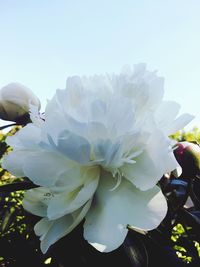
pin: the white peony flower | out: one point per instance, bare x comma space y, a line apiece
98, 155
15, 101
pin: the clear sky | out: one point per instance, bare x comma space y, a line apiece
42, 42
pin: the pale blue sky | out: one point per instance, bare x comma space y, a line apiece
42, 42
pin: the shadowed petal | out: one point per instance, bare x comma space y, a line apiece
52, 231
44, 167
74, 147
36, 201
71, 200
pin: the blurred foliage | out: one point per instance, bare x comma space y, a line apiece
190, 136
186, 247
176, 242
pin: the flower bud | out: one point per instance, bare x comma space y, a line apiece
188, 156
15, 102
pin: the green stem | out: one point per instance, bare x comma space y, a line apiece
16, 186
6, 126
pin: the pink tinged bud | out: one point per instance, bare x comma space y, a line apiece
15, 102
188, 156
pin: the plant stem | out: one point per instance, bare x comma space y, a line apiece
6, 126
16, 186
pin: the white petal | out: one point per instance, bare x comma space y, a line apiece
166, 113
44, 167
58, 118
35, 116
108, 153
74, 147
156, 93
143, 174
74, 86
69, 180
52, 231
28, 137
98, 110
106, 222
152, 164
13, 162
70, 200
95, 131
166, 117
121, 119
54, 119
35, 201
42, 227
180, 123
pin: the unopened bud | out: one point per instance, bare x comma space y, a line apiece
15, 101
188, 156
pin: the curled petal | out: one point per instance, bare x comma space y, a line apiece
36, 201
52, 231
70, 200
166, 119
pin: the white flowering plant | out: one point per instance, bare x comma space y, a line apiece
99, 162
